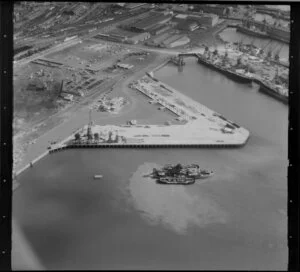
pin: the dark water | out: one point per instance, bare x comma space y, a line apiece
231, 35
235, 220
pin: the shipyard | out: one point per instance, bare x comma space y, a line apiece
119, 106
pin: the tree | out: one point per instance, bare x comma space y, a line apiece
276, 57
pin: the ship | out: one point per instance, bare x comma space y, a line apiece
178, 174
271, 90
229, 73
252, 32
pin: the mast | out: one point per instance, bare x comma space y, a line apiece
89, 130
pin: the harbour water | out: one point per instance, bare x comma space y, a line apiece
234, 220
231, 35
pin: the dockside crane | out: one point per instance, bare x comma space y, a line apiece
89, 129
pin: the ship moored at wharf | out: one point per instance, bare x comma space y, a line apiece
252, 32
279, 92
264, 30
229, 72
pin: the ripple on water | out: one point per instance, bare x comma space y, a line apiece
174, 206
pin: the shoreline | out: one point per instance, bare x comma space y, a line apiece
65, 117
27, 162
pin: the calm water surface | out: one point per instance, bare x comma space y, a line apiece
231, 35
235, 220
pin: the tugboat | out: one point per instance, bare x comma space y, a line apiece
178, 174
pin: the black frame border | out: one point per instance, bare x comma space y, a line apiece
6, 114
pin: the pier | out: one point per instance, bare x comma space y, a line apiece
203, 128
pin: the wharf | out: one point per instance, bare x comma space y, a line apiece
203, 127
241, 78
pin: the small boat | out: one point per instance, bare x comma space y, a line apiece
98, 176
176, 180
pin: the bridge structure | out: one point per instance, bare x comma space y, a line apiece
181, 56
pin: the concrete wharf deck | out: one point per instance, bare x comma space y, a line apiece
203, 127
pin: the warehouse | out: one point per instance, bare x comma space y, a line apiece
159, 29
212, 8
139, 38
160, 38
132, 6
181, 41
148, 23
189, 25
171, 39
206, 19
180, 8
112, 37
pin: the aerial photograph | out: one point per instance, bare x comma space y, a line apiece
150, 136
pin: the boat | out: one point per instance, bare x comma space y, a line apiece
270, 90
252, 32
181, 180
98, 176
225, 71
178, 174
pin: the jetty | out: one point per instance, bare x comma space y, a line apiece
200, 127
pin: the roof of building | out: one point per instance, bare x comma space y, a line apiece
149, 22
134, 5
181, 16
159, 27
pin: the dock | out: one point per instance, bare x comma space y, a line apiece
203, 127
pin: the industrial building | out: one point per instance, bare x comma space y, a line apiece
206, 19
111, 37
215, 9
180, 8
139, 37
156, 30
188, 25
124, 66
132, 6
147, 23
160, 38
68, 97
181, 16
183, 40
